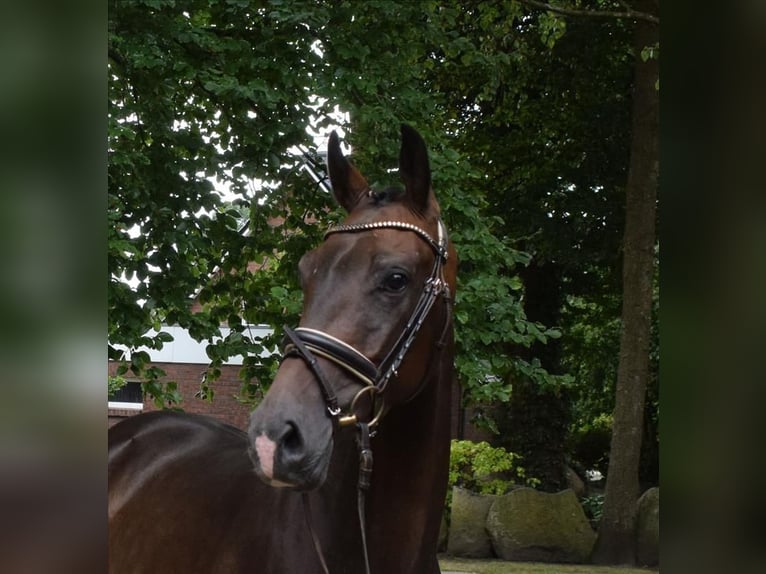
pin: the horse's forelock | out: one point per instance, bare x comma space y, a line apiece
392, 195
387, 196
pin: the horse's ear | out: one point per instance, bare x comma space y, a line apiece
348, 185
414, 169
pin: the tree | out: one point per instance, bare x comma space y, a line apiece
615, 543
225, 90
213, 90
581, 181
540, 103
400, 79
526, 110
616, 539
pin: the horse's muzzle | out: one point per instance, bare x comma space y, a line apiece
291, 441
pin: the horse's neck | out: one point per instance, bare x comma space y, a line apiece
404, 503
409, 480
411, 463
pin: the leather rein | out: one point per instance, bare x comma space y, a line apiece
308, 344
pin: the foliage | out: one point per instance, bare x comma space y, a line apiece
218, 91
592, 343
527, 119
527, 114
485, 469
555, 120
589, 442
115, 383
193, 96
593, 507
397, 67
591, 351
547, 116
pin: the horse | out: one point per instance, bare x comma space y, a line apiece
344, 464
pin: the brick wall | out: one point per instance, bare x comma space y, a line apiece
228, 409
224, 406
460, 420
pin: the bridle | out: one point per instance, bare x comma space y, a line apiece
308, 344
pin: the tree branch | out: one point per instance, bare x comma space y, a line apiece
632, 14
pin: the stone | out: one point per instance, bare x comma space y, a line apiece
467, 533
575, 483
532, 526
441, 545
648, 528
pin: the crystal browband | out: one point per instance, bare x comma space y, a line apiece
439, 247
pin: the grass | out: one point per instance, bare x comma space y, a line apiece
449, 564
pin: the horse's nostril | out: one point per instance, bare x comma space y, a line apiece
291, 439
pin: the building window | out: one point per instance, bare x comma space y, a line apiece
130, 396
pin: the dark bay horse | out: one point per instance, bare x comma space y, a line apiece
364, 385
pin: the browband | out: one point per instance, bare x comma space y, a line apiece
439, 246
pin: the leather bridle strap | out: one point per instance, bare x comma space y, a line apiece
365, 473
434, 287
324, 385
340, 353
363, 485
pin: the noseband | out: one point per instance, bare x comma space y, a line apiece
310, 343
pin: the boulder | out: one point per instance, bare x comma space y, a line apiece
467, 533
648, 528
527, 525
441, 545
575, 483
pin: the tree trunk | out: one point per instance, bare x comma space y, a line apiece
536, 421
616, 539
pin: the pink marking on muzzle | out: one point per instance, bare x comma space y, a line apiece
265, 447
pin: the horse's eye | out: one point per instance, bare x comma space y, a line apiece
395, 282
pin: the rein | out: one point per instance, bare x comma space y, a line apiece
307, 344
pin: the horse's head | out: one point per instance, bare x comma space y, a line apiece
374, 315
